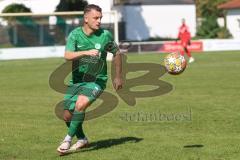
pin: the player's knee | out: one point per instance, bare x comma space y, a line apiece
67, 116
66, 119
80, 106
81, 103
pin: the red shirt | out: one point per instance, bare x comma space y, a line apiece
184, 33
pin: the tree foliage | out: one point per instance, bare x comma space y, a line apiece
208, 12
17, 8
71, 5
208, 7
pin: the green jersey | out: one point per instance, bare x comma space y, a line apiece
90, 68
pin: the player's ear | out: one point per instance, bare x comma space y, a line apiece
85, 18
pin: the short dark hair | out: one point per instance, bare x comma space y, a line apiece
89, 7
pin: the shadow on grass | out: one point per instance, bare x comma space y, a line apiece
107, 143
194, 146
102, 144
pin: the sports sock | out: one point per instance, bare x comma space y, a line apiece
68, 138
76, 124
68, 124
79, 134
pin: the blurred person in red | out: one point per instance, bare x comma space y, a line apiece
185, 40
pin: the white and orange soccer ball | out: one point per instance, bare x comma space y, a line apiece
175, 63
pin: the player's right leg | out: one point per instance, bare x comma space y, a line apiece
66, 143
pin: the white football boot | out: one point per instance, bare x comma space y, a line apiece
64, 147
191, 59
81, 143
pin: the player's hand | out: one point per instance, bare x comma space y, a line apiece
92, 52
118, 83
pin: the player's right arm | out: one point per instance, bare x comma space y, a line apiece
178, 36
72, 55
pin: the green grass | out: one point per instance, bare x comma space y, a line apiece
209, 88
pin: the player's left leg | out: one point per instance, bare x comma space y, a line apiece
67, 116
75, 127
191, 59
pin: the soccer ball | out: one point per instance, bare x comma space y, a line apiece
175, 63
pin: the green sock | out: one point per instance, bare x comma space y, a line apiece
68, 124
80, 134
76, 124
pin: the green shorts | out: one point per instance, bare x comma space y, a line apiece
89, 89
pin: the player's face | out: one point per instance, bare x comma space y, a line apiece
93, 19
183, 21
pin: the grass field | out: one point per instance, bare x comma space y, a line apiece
204, 105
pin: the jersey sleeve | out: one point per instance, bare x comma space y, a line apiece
71, 43
111, 46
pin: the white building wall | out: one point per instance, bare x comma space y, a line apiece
233, 22
106, 5
37, 6
48, 6
142, 22
147, 21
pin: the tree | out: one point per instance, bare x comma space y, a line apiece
16, 8
24, 24
71, 5
207, 7
208, 11
68, 5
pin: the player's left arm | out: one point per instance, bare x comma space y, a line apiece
189, 38
113, 48
118, 82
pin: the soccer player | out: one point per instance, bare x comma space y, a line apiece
185, 40
87, 48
